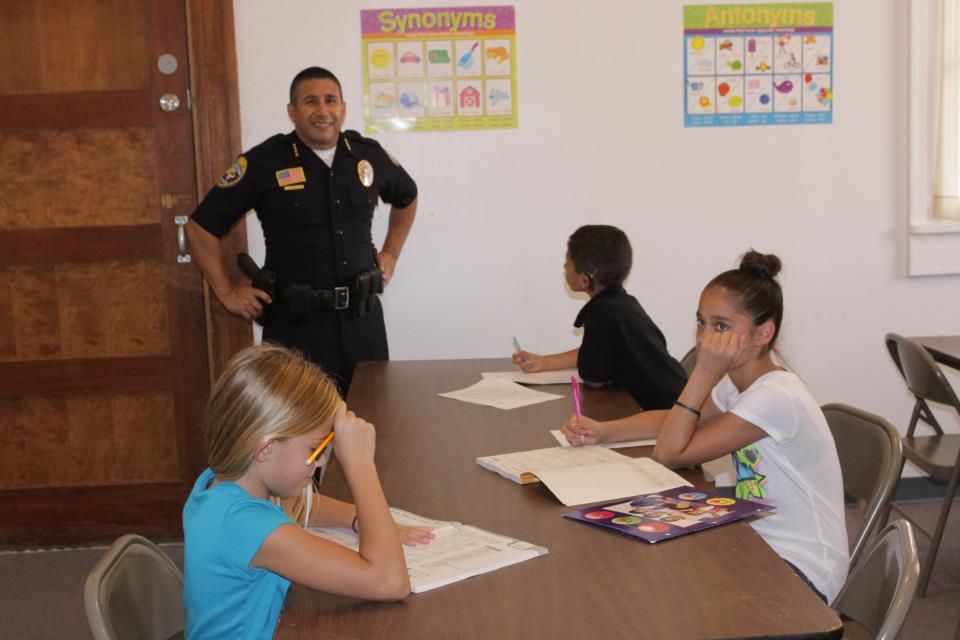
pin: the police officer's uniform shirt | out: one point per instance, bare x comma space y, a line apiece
316, 219
317, 222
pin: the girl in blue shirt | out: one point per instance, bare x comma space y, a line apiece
267, 414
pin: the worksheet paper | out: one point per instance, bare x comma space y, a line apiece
562, 439
581, 475
502, 394
457, 552
561, 376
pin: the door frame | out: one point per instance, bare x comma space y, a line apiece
216, 141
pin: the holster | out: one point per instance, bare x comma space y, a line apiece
364, 290
261, 279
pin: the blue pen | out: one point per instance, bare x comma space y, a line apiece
516, 345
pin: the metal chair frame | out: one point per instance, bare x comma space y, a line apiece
926, 381
882, 585
870, 456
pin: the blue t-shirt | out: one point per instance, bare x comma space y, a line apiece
223, 528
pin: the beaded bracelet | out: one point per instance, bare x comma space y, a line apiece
696, 412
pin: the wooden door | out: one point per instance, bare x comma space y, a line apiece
103, 366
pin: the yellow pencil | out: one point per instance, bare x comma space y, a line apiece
319, 449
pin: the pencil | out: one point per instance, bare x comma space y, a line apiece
319, 449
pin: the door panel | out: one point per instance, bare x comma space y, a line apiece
103, 366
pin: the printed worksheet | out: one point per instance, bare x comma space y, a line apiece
457, 552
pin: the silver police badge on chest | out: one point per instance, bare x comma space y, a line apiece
365, 173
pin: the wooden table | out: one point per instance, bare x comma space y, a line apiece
720, 583
944, 349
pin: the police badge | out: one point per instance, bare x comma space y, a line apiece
365, 173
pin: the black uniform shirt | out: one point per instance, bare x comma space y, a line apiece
316, 220
621, 344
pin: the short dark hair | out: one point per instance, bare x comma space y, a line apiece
756, 289
602, 252
312, 73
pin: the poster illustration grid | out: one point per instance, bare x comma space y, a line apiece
758, 64
439, 69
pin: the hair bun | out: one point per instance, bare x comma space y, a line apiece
765, 265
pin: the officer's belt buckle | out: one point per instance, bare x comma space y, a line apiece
341, 298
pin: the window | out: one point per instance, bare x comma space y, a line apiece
934, 137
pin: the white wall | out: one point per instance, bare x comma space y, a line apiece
601, 140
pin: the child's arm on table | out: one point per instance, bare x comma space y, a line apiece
534, 362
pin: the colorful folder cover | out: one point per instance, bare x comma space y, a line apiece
667, 514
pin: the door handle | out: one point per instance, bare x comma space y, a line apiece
182, 255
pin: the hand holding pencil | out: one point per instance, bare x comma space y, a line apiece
356, 438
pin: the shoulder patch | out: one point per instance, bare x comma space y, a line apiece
234, 174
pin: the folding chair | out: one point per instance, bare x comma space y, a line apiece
881, 586
870, 457
134, 592
936, 455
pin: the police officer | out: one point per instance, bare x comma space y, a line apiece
314, 191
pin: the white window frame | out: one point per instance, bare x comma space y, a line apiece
934, 243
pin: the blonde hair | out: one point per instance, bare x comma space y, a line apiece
266, 392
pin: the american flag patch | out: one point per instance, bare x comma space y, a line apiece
290, 176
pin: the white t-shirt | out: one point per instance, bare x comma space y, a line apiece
795, 468
326, 155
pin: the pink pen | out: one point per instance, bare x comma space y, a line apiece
576, 396
576, 401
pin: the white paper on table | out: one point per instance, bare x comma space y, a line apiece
561, 376
514, 465
501, 394
457, 552
597, 483
562, 439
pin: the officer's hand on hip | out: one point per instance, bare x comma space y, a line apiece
387, 263
245, 301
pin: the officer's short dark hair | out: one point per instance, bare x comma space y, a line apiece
601, 251
312, 73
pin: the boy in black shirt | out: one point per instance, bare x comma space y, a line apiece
621, 344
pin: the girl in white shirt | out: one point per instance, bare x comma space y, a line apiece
739, 401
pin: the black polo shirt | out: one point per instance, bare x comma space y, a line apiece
622, 345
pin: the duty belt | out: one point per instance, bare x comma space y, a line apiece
300, 299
